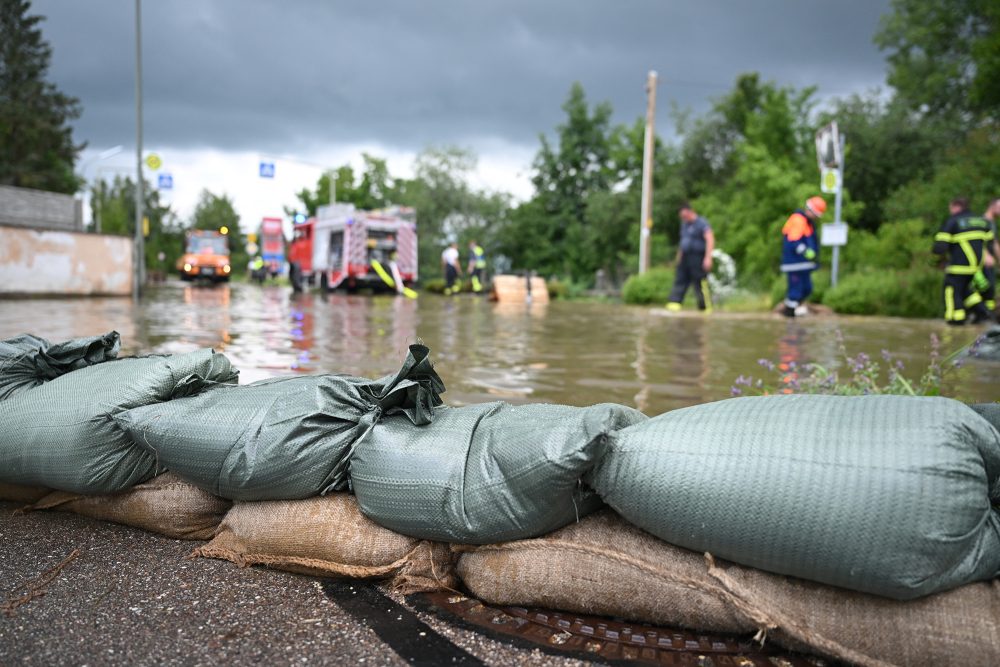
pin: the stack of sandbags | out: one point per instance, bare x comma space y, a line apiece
328, 537
283, 438
892, 495
63, 434
165, 504
27, 361
605, 566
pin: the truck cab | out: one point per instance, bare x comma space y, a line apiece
206, 256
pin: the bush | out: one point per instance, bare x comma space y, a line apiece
896, 245
434, 285
912, 293
650, 287
557, 289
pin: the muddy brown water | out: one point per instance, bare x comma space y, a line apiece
563, 352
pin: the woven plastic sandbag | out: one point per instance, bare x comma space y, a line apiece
283, 438
990, 412
484, 473
63, 434
27, 361
889, 495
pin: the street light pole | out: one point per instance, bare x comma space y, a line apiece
103, 155
646, 222
139, 250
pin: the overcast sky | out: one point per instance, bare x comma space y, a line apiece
315, 82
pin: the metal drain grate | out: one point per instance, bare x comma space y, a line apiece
612, 640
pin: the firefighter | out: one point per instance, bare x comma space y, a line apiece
799, 250
477, 266
452, 269
258, 271
992, 257
962, 241
694, 260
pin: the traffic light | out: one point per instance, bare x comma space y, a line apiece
223, 230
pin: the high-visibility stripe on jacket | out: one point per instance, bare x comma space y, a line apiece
963, 239
478, 257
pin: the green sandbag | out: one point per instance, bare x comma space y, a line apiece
27, 361
890, 495
283, 438
484, 473
990, 412
63, 435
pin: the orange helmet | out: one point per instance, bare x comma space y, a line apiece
816, 205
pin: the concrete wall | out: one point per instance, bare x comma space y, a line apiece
22, 207
36, 262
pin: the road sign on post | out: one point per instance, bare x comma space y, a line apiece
165, 181
266, 169
830, 146
829, 180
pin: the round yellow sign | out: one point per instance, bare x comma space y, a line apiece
153, 161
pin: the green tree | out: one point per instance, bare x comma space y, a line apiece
36, 141
553, 233
374, 189
887, 147
113, 208
448, 208
213, 212
944, 56
971, 168
778, 118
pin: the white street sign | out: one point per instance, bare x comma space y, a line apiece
833, 234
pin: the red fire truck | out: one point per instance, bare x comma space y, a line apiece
339, 246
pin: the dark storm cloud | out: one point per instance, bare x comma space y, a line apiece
278, 76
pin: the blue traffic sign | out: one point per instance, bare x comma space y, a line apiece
165, 181
267, 170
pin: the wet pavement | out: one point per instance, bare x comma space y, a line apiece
564, 352
131, 597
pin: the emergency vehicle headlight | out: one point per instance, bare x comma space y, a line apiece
187, 267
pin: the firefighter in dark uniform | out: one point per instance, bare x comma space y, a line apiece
992, 256
477, 266
962, 241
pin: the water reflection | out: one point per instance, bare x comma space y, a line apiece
572, 353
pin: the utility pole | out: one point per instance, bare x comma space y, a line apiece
836, 209
646, 215
139, 250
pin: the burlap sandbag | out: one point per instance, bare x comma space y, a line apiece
605, 566
19, 493
165, 504
329, 537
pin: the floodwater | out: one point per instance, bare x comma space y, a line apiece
571, 353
